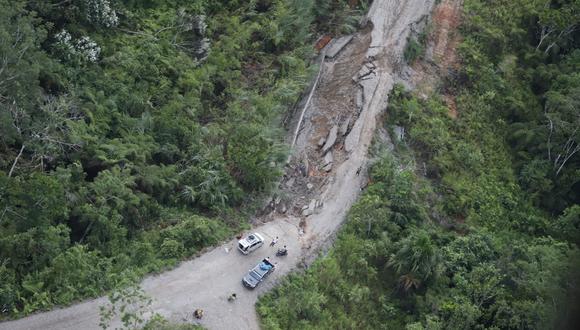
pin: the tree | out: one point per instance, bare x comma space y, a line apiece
74, 273
416, 260
118, 128
130, 305
563, 114
558, 19
567, 225
29, 202
20, 61
19, 55
8, 288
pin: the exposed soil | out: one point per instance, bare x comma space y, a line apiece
441, 53
444, 38
313, 198
334, 103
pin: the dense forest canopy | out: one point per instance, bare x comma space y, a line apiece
132, 131
483, 232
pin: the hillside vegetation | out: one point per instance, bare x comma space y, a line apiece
132, 133
474, 222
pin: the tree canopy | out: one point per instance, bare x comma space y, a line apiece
471, 222
134, 133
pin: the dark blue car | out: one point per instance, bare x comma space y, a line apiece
258, 274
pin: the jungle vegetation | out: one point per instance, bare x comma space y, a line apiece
133, 133
471, 222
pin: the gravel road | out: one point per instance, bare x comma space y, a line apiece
205, 282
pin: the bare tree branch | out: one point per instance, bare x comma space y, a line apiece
550, 139
546, 31
15, 161
568, 156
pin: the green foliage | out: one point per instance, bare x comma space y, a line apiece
130, 305
75, 273
19, 45
339, 16
171, 248
388, 275
416, 258
9, 288
194, 233
157, 322
29, 202
567, 226
128, 128
133, 307
355, 278
490, 240
414, 50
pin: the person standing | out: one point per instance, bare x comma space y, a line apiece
274, 241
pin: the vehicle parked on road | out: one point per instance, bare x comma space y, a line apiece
250, 243
257, 274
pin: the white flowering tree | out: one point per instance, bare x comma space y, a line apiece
190, 35
99, 12
83, 49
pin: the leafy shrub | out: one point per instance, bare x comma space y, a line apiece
413, 51
75, 273
473, 246
171, 249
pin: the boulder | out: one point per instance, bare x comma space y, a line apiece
328, 158
344, 126
364, 71
371, 66
337, 45
368, 76
359, 99
312, 205
331, 140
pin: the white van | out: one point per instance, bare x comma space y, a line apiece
250, 243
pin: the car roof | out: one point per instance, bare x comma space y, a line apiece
252, 238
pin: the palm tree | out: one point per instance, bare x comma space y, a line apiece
416, 260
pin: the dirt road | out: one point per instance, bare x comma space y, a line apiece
316, 196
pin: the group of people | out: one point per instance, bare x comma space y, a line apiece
282, 251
